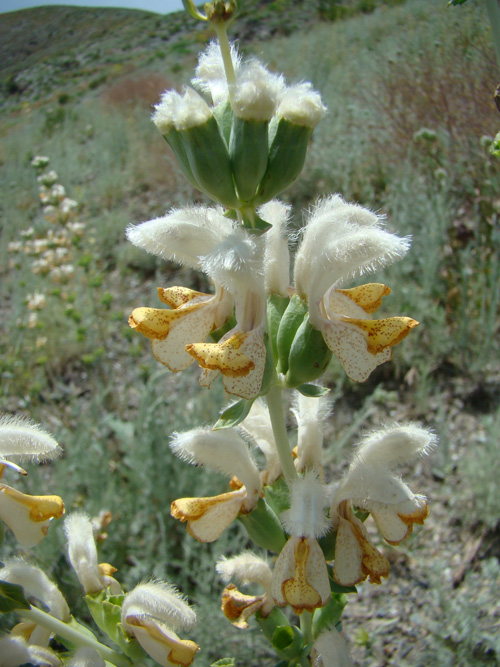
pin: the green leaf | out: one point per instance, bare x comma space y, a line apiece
12, 597
272, 621
278, 496
313, 390
233, 415
288, 640
455, 3
329, 615
264, 527
224, 662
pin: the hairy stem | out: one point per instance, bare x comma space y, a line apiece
76, 638
280, 433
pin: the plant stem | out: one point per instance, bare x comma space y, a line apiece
76, 638
306, 626
493, 10
221, 31
280, 433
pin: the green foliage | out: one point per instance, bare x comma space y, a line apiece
12, 597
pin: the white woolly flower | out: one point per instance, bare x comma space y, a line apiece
308, 502
21, 439
276, 253
224, 451
247, 568
310, 414
256, 92
372, 484
301, 105
342, 241
153, 613
210, 73
180, 111
183, 235
82, 554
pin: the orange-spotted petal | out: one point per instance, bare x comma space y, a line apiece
208, 518
368, 297
384, 333
225, 357
178, 296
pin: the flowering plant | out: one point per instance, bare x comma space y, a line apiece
240, 136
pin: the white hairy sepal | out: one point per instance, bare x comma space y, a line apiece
308, 501
247, 568
82, 551
256, 92
161, 601
394, 445
257, 424
181, 111
330, 650
341, 241
86, 657
210, 73
223, 450
183, 235
301, 105
236, 263
36, 584
310, 414
20, 438
276, 252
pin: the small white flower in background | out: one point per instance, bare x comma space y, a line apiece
82, 554
36, 301
226, 452
247, 568
373, 485
27, 516
330, 650
153, 613
341, 241
300, 575
15, 651
36, 586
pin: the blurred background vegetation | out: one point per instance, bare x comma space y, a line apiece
409, 87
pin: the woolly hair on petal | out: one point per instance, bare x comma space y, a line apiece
181, 111
330, 650
162, 601
223, 450
276, 252
306, 516
236, 263
20, 438
395, 445
183, 235
82, 551
256, 92
301, 105
36, 584
247, 568
210, 73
